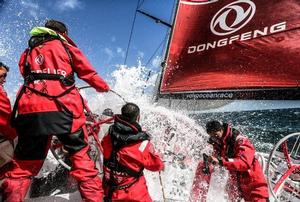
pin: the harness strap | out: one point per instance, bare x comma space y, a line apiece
55, 97
66, 81
31, 77
113, 164
15, 107
27, 65
68, 52
113, 188
121, 168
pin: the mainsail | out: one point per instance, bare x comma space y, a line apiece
233, 49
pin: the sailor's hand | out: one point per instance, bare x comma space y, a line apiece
104, 89
213, 160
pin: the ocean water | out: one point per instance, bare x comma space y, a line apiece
264, 127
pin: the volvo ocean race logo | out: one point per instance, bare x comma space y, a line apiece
232, 17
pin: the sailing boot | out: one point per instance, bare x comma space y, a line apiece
91, 190
15, 190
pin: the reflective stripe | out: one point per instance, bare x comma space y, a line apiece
230, 160
143, 145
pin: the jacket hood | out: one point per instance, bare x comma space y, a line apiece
122, 132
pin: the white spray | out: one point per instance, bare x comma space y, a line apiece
178, 138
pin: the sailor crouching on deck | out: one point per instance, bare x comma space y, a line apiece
236, 153
127, 151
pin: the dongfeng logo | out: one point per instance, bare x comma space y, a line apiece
39, 59
232, 17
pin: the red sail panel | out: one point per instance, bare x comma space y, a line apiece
233, 45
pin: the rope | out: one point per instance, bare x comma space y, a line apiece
84, 87
162, 187
118, 95
141, 3
132, 27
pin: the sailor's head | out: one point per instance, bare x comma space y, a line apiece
57, 26
130, 112
215, 129
108, 112
3, 73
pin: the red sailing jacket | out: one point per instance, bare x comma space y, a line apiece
238, 156
5, 113
134, 156
51, 57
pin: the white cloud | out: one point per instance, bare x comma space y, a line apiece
156, 61
109, 53
141, 54
121, 52
32, 8
68, 4
113, 39
29, 4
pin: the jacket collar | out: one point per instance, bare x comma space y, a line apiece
127, 126
227, 132
124, 133
37, 31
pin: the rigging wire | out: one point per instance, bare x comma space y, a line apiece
162, 50
171, 19
168, 35
149, 60
150, 71
173, 9
141, 3
164, 39
131, 32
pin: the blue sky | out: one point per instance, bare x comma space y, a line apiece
101, 29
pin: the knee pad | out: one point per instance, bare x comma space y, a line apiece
73, 142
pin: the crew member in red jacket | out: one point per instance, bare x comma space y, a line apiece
127, 151
7, 133
49, 104
236, 153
